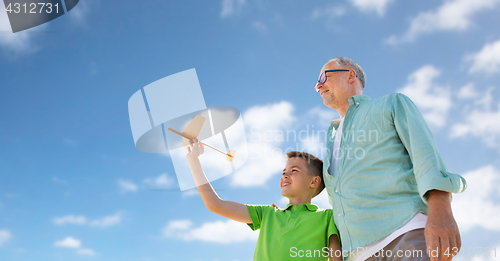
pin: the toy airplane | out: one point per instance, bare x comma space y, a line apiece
192, 131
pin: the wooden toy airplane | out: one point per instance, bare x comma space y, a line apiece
192, 131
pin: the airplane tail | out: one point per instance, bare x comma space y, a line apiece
230, 155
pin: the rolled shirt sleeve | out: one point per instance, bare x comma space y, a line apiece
428, 165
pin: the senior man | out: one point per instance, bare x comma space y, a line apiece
386, 180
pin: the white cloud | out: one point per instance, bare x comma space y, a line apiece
265, 128
482, 122
283, 202
270, 117
433, 100
223, 232
330, 12
453, 15
82, 220
70, 219
487, 60
230, 7
86, 252
68, 242
468, 91
5, 236
322, 200
318, 121
268, 128
22, 42
260, 26
162, 181
176, 225
127, 186
322, 116
378, 6
107, 221
314, 144
477, 207
263, 162
19, 42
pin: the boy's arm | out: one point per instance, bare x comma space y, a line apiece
334, 245
229, 209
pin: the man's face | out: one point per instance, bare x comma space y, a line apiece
295, 180
336, 90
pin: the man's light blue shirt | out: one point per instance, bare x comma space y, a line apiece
388, 161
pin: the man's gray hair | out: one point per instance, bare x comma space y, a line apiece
346, 62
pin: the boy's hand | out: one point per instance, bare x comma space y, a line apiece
229, 209
195, 149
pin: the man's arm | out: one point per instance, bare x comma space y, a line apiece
441, 227
229, 209
334, 245
434, 182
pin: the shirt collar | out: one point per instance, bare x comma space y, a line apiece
358, 99
310, 207
355, 100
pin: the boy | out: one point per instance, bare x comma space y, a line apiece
300, 230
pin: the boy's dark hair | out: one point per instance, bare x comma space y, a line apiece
314, 166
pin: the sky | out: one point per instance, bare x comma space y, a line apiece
74, 187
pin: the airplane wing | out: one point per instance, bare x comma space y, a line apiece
193, 129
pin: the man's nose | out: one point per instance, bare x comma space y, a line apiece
318, 86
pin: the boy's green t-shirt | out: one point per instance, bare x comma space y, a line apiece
294, 233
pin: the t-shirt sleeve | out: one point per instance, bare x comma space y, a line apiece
331, 229
257, 213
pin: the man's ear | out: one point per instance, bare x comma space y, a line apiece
352, 76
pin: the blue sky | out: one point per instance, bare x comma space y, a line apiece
74, 187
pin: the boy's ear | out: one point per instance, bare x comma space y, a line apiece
315, 182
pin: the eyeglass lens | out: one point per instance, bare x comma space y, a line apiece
322, 77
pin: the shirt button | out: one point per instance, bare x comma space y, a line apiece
337, 190
357, 103
340, 214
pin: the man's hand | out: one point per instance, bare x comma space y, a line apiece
195, 149
441, 231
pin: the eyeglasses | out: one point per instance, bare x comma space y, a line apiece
322, 77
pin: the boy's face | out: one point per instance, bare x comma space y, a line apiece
295, 180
